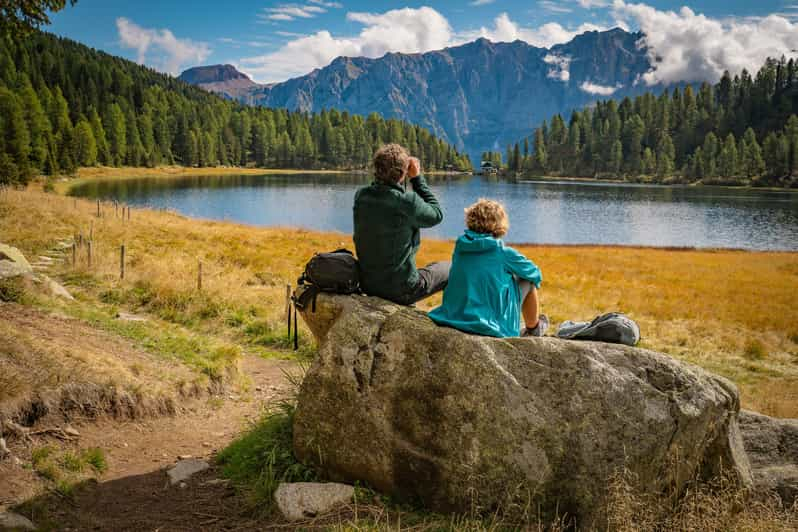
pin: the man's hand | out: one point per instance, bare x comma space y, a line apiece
413, 168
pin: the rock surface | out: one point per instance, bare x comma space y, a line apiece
13, 263
451, 420
56, 289
184, 469
772, 447
13, 521
305, 500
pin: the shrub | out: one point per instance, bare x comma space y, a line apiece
95, 457
12, 290
754, 350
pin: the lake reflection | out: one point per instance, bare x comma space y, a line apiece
550, 212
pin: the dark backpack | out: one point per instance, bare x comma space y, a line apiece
613, 327
336, 272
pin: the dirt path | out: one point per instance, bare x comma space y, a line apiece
133, 494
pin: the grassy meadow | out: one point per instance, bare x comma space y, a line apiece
731, 312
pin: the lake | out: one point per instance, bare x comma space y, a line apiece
540, 212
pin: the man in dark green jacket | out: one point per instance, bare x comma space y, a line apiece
387, 220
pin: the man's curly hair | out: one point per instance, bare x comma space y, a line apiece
390, 163
488, 217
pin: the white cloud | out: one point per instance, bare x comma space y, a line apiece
481, 2
554, 7
590, 4
601, 90
159, 47
549, 34
400, 30
287, 12
560, 63
327, 4
407, 30
685, 46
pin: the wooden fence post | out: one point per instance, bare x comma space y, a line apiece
74, 253
122, 262
91, 230
98, 208
199, 275
88, 252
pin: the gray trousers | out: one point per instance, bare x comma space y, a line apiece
432, 278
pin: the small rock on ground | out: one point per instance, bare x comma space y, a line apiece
57, 289
184, 469
126, 316
12, 521
304, 500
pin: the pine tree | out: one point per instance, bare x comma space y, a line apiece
616, 157
14, 140
666, 155
85, 144
753, 165
727, 162
116, 134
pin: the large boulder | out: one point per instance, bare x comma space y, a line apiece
457, 422
13, 263
772, 447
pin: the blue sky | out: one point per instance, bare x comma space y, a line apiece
273, 41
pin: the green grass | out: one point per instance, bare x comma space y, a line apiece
95, 458
263, 457
755, 350
200, 352
72, 462
12, 290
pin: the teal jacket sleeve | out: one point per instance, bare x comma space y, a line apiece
522, 267
425, 211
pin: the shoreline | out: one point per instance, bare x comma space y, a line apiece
596, 181
62, 184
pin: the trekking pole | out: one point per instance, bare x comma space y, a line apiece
288, 309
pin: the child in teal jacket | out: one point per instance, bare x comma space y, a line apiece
490, 284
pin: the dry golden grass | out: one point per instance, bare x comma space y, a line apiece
732, 312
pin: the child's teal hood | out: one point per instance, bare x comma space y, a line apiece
473, 242
483, 295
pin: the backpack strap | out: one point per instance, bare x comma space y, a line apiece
296, 338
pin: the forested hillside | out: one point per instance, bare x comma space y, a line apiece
64, 105
744, 129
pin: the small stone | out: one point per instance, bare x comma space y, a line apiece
3, 448
70, 431
206, 444
127, 316
124, 445
304, 500
56, 289
183, 485
184, 469
217, 482
184, 457
17, 461
13, 521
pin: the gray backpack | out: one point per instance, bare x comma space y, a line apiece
614, 327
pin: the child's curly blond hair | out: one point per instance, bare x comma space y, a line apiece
487, 216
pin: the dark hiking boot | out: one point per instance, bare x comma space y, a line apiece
540, 328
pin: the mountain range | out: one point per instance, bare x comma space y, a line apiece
478, 96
